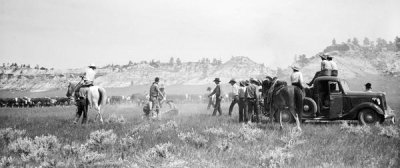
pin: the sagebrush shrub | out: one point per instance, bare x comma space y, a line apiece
159, 151
9, 134
277, 157
101, 139
358, 130
388, 131
194, 138
250, 133
170, 125
42, 149
6, 161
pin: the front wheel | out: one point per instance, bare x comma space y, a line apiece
368, 117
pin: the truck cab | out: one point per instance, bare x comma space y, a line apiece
330, 98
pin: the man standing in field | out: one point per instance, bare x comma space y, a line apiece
154, 94
218, 97
242, 102
252, 100
235, 94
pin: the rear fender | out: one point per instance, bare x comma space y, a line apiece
370, 105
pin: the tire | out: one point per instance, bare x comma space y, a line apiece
368, 117
309, 107
287, 117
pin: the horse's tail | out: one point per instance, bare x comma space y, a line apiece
102, 96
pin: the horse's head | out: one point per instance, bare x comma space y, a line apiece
70, 91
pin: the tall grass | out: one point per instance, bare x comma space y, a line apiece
47, 137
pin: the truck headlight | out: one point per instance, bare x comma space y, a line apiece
377, 100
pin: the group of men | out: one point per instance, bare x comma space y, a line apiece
245, 93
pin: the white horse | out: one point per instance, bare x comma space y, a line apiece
95, 97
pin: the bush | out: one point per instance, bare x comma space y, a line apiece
277, 157
194, 138
101, 139
159, 151
250, 133
9, 134
41, 149
357, 130
389, 131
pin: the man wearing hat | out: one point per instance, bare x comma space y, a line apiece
252, 100
368, 87
325, 65
332, 64
242, 102
218, 97
235, 94
155, 92
88, 78
297, 77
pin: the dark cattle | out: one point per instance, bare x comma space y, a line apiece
116, 99
62, 101
139, 99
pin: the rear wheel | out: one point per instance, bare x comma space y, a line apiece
287, 117
309, 107
368, 117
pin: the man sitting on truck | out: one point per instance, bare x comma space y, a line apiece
326, 66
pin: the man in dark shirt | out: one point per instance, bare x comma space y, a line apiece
218, 97
252, 99
154, 95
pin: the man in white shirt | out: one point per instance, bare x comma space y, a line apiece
296, 77
333, 65
325, 65
235, 94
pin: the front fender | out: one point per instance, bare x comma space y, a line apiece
367, 105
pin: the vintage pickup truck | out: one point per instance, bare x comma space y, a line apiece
330, 98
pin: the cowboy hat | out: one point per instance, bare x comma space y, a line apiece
232, 81
243, 83
217, 80
323, 56
92, 65
295, 67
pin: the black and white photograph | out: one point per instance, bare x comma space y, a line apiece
200, 83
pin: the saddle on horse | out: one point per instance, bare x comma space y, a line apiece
81, 89
276, 86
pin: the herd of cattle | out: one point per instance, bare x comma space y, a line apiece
139, 99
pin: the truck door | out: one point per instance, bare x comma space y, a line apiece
336, 100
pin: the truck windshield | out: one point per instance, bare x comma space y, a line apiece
344, 85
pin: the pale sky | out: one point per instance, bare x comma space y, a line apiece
75, 33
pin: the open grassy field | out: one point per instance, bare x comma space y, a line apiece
193, 138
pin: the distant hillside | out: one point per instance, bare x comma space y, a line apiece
188, 73
354, 60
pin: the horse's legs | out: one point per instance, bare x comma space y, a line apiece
98, 109
296, 116
280, 119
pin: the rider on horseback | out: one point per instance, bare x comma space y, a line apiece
87, 78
